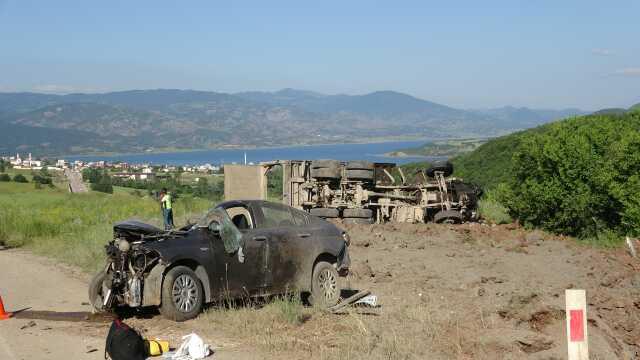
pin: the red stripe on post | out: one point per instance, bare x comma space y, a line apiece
576, 325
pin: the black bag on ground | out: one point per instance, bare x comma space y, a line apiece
124, 343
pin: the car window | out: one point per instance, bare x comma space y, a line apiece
241, 217
218, 220
275, 216
299, 217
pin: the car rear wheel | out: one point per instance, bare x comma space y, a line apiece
95, 291
182, 295
325, 290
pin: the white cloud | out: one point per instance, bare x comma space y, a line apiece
602, 52
630, 71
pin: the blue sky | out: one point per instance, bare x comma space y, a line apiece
466, 54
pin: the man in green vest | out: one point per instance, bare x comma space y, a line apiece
167, 210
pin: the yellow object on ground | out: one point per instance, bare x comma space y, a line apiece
157, 347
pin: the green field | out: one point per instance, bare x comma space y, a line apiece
75, 227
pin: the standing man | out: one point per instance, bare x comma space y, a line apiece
167, 211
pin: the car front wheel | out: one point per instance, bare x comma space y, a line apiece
182, 294
325, 290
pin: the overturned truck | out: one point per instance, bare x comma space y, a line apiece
359, 191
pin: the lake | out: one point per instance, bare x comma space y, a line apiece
370, 152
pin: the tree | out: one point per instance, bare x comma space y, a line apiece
19, 178
104, 185
2, 166
579, 177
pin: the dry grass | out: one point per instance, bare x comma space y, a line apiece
412, 330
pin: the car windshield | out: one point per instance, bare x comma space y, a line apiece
231, 236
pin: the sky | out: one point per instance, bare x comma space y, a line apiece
466, 54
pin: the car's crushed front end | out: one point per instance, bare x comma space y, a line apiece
130, 261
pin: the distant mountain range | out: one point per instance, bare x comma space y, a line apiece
154, 120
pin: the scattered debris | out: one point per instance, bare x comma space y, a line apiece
369, 300
632, 247
192, 348
30, 324
349, 301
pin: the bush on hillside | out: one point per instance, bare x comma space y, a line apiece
579, 177
5, 177
19, 178
103, 186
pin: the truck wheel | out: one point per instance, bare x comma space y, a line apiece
325, 290
95, 291
360, 174
443, 166
357, 221
325, 173
357, 213
360, 165
325, 212
448, 217
182, 295
325, 169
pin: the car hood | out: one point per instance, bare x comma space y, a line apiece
135, 227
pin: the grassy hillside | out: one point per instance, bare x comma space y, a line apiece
75, 227
490, 163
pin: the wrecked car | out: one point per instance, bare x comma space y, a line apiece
238, 249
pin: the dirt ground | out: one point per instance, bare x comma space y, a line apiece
447, 292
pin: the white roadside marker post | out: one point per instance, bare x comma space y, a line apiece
576, 313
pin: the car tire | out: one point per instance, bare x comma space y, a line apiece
95, 291
357, 221
325, 289
325, 212
448, 217
182, 294
357, 213
359, 174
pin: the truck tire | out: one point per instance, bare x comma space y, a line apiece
444, 166
325, 288
360, 165
357, 213
316, 164
95, 292
448, 216
325, 169
357, 221
359, 174
326, 173
182, 294
325, 212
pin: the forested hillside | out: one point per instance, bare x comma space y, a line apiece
579, 176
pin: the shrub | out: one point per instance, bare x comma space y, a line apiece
580, 176
491, 209
5, 177
19, 178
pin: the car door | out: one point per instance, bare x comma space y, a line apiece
242, 272
284, 235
